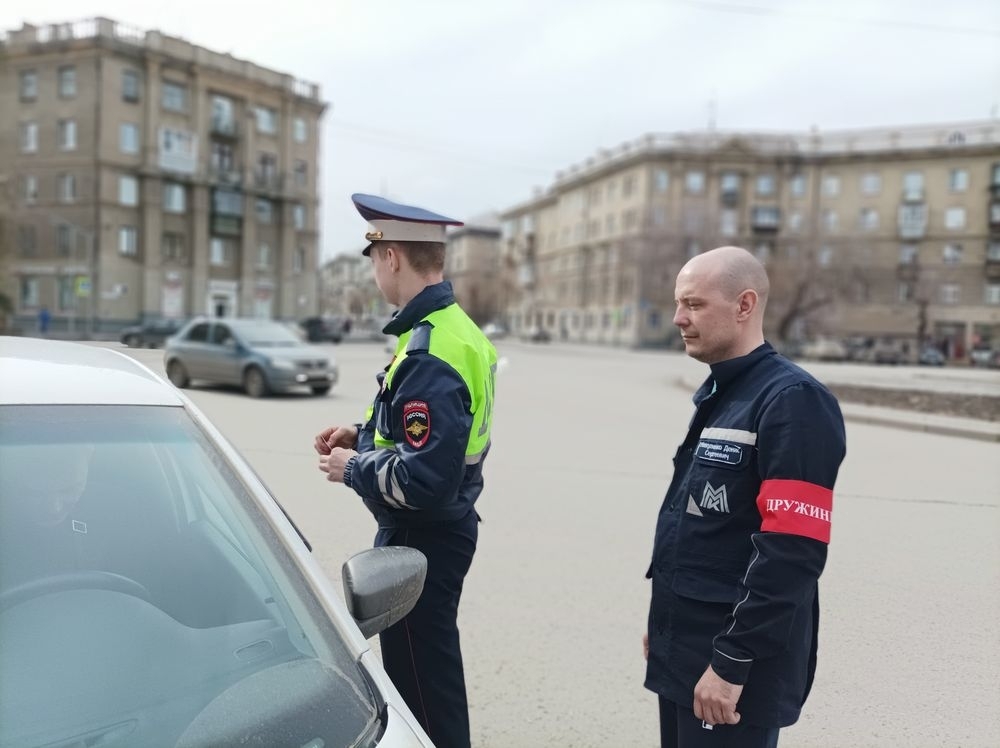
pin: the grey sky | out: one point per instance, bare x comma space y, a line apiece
463, 107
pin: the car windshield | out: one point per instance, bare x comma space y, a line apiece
268, 335
146, 598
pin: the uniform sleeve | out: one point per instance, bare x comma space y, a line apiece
801, 444
431, 418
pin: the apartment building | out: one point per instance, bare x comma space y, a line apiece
472, 264
144, 177
884, 234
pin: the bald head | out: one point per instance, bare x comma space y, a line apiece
732, 270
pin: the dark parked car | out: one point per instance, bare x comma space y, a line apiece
931, 357
150, 334
152, 590
322, 330
259, 355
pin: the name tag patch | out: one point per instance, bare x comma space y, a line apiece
725, 452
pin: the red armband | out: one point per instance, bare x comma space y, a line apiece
795, 507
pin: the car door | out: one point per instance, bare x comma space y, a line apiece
192, 351
224, 355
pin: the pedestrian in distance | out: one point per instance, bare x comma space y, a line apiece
44, 319
742, 534
417, 459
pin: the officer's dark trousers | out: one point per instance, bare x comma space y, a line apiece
421, 653
679, 728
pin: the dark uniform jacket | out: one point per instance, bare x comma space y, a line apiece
413, 483
741, 538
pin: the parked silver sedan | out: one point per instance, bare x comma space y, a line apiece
154, 593
260, 356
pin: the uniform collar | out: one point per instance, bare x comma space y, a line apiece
432, 298
726, 371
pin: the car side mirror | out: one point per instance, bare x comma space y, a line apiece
381, 586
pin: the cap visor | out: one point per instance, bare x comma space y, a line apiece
367, 251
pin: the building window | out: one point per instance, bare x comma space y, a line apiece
763, 253
265, 211
301, 173
993, 251
299, 216
26, 240
29, 137
868, 219
609, 225
218, 251
29, 292
798, 185
67, 293
29, 188
908, 254
831, 185
128, 137
173, 197
67, 134
67, 82
825, 256
267, 169
64, 240
172, 246
264, 256
223, 115
227, 202
871, 183
28, 85
954, 219
174, 96
728, 223
299, 130
949, 293
128, 190
659, 217
795, 221
991, 293
951, 254
830, 220
222, 159
694, 182
299, 260
730, 183
913, 185
267, 120
130, 85
661, 180
128, 241
628, 185
905, 292
958, 180
67, 188
765, 185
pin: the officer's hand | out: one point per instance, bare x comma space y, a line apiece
715, 699
336, 436
645, 646
333, 464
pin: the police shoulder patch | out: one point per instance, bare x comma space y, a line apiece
416, 423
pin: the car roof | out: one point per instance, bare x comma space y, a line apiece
35, 371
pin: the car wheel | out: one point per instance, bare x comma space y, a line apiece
320, 389
254, 382
132, 341
177, 374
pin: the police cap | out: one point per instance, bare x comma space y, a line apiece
389, 221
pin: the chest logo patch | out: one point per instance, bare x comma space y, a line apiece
416, 423
715, 498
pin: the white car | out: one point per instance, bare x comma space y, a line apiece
154, 593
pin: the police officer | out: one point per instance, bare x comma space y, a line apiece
417, 460
741, 537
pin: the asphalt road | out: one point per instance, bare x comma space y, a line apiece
556, 601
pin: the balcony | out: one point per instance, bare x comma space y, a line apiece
225, 175
912, 220
908, 271
268, 181
992, 269
765, 219
224, 127
995, 216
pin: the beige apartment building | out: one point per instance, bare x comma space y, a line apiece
144, 177
890, 235
348, 290
472, 264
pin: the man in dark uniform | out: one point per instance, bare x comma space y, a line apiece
417, 460
742, 535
